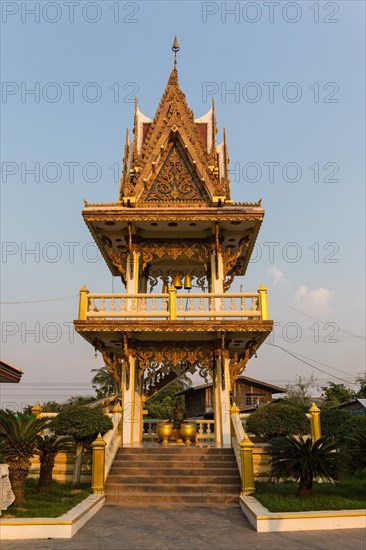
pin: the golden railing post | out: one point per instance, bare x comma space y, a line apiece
98, 465
172, 303
247, 478
118, 410
37, 410
263, 302
316, 431
83, 303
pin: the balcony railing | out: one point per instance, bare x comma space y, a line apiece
174, 306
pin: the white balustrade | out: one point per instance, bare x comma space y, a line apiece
123, 306
205, 430
112, 439
188, 306
150, 430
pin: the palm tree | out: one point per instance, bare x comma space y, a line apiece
48, 446
18, 442
304, 460
104, 383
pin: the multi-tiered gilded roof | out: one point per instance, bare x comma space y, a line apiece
175, 175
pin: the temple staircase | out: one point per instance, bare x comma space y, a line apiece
174, 476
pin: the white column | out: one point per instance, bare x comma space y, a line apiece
131, 395
132, 286
222, 400
217, 275
137, 424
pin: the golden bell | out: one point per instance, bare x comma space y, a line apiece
177, 281
187, 282
165, 288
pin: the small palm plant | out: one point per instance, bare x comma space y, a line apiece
303, 460
48, 446
18, 442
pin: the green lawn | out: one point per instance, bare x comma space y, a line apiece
63, 497
348, 494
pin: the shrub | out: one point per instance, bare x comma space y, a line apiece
278, 420
357, 452
342, 426
352, 427
83, 424
331, 420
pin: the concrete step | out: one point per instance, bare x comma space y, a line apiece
175, 505
176, 480
186, 498
173, 477
180, 457
169, 470
181, 464
133, 489
176, 448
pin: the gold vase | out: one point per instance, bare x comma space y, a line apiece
165, 432
188, 432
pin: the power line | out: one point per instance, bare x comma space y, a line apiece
314, 318
310, 365
38, 301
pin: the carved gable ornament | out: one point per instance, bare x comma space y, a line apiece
177, 180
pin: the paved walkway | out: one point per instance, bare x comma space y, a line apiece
117, 528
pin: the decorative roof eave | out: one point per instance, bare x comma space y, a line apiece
118, 212
9, 373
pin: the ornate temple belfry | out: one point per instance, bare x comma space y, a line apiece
177, 241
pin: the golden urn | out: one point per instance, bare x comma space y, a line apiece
165, 431
188, 432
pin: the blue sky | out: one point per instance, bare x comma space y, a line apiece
310, 132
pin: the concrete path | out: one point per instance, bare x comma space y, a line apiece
118, 528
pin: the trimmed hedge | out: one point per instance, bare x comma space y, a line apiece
331, 420
81, 423
275, 420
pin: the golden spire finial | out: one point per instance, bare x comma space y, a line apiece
175, 49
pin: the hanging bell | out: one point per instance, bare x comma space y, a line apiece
177, 281
187, 282
165, 287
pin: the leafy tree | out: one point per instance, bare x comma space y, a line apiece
336, 394
163, 404
275, 420
299, 393
48, 446
18, 441
361, 380
54, 406
83, 424
303, 460
79, 400
47, 406
104, 383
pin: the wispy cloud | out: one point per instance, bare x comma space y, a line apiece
316, 302
276, 275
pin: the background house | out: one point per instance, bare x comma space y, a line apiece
247, 393
356, 406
